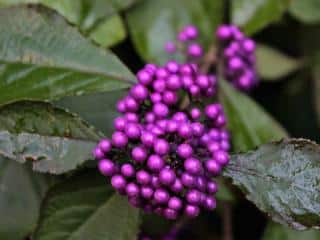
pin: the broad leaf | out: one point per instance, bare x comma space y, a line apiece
41, 57
97, 19
280, 232
282, 179
86, 208
272, 64
99, 115
54, 140
253, 15
20, 196
152, 23
307, 11
249, 124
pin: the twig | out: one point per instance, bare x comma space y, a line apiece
227, 221
209, 59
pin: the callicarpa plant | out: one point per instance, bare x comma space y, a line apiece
159, 120
175, 148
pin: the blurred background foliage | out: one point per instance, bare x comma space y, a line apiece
288, 33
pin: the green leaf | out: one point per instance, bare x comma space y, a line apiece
54, 140
81, 209
253, 15
99, 115
110, 32
316, 83
20, 196
282, 179
249, 124
44, 119
279, 232
152, 23
272, 64
41, 57
98, 19
307, 11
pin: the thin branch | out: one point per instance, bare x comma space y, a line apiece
209, 59
227, 221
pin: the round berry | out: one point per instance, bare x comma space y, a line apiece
184, 150
193, 166
139, 154
143, 177
155, 163
167, 176
118, 182
127, 170
107, 167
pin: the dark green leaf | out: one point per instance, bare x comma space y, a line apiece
41, 57
273, 64
99, 115
21, 192
307, 11
282, 179
82, 209
96, 18
279, 232
249, 124
54, 140
152, 23
44, 119
253, 15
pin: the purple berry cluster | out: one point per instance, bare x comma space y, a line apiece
173, 153
186, 39
238, 54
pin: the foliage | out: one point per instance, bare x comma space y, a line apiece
58, 88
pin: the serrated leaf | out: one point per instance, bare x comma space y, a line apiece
282, 179
253, 15
81, 209
272, 64
152, 23
280, 232
249, 124
21, 192
307, 11
54, 140
42, 57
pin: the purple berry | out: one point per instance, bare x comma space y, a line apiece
192, 211
177, 186
187, 180
127, 170
139, 92
161, 196
212, 187
155, 163
184, 150
160, 110
167, 176
195, 50
173, 82
105, 145
132, 130
170, 47
191, 32
144, 77
213, 167
193, 197
98, 153
212, 111
107, 167
118, 182
170, 98
221, 157
193, 166
132, 190
146, 192
148, 138
195, 113
119, 123
139, 154
185, 130
210, 203
159, 85
143, 177
172, 66
175, 203
224, 33
170, 214
161, 147
119, 139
